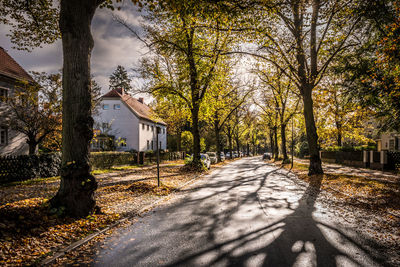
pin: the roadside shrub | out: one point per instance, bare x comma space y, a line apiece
348, 148
302, 149
24, 167
105, 160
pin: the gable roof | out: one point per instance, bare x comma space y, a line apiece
9, 67
142, 110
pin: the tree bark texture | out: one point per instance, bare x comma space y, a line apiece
217, 139
312, 137
196, 135
276, 149
76, 193
283, 141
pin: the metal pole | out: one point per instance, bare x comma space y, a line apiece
292, 143
158, 158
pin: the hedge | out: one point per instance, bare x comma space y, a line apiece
105, 160
19, 168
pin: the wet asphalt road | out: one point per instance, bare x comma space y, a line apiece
247, 213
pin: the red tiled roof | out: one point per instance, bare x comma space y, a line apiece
9, 67
141, 109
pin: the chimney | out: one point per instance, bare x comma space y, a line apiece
141, 100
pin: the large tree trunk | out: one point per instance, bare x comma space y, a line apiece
76, 193
283, 141
196, 135
312, 137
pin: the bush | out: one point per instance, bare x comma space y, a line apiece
302, 149
348, 148
24, 167
105, 160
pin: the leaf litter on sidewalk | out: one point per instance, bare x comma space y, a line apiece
28, 233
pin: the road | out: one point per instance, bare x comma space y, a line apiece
247, 213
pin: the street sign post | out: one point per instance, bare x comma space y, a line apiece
158, 156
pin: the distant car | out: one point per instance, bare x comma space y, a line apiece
206, 160
213, 157
228, 155
235, 154
267, 155
222, 156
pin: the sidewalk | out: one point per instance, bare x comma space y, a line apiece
354, 171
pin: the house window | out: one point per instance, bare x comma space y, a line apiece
152, 147
160, 145
106, 106
3, 94
117, 106
3, 136
148, 144
148, 127
163, 130
152, 128
143, 126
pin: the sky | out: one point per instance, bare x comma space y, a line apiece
114, 46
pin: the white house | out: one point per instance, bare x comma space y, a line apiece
389, 141
11, 73
130, 121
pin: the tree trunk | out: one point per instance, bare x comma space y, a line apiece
237, 144
230, 146
283, 141
196, 135
312, 137
75, 196
339, 135
217, 140
32, 144
276, 149
271, 140
179, 139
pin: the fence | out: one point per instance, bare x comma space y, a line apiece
354, 158
393, 160
19, 168
372, 159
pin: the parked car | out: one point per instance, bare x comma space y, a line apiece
267, 155
213, 157
228, 155
222, 156
235, 154
206, 160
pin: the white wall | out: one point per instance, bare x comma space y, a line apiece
124, 124
150, 135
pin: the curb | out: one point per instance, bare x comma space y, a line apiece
91, 236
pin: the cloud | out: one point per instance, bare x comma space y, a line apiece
114, 45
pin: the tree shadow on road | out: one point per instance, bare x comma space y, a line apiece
295, 238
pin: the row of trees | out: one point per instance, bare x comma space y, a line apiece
194, 44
